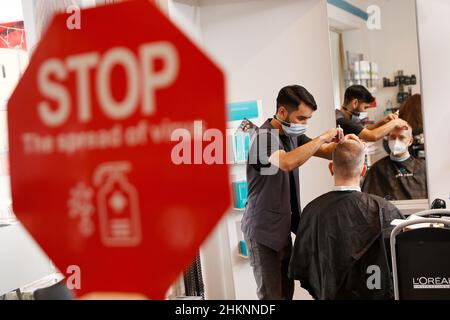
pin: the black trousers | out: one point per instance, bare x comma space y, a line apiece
270, 269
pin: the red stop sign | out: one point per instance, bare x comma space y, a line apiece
91, 129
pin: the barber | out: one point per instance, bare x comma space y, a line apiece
278, 148
351, 115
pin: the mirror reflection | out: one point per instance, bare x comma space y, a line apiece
377, 97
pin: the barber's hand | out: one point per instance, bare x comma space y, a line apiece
390, 117
357, 139
400, 123
340, 137
330, 135
352, 137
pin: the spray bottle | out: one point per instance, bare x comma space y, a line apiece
118, 206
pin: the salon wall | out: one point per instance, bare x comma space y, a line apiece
434, 31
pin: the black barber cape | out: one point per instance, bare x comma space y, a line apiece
397, 180
340, 235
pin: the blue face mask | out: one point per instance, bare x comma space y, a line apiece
292, 129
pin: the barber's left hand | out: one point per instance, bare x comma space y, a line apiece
330, 135
339, 136
390, 117
352, 137
357, 139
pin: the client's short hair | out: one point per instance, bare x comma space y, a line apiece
348, 158
408, 129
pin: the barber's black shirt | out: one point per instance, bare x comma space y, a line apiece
272, 209
263, 157
263, 162
347, 124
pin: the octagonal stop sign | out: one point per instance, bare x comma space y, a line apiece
108, 146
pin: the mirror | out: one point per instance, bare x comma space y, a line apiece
374, 44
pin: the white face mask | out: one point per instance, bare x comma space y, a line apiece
358, 116
363, 115
397, 147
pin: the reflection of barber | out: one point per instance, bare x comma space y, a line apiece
398, 176
353, 112
273, 205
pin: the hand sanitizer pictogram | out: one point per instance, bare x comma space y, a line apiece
118, 206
